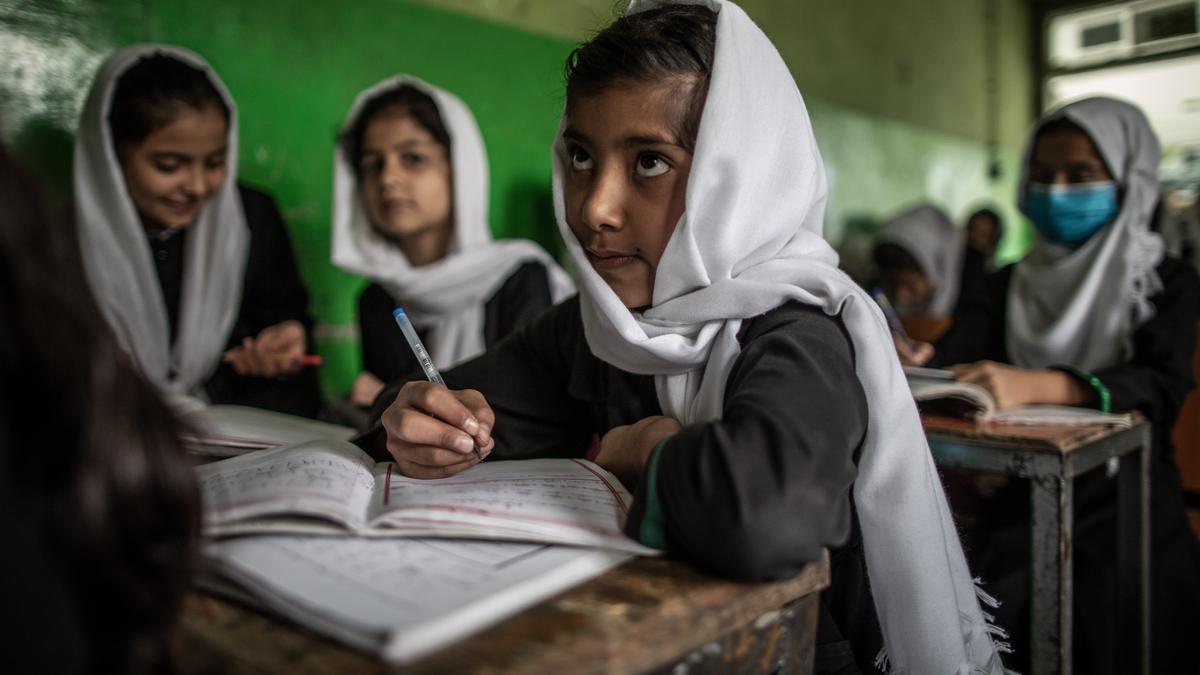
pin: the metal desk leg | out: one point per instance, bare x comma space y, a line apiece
1050, 626
1133, 561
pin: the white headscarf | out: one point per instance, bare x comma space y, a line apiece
116, 254
447, 296
750, 240
1080, 307
926, 233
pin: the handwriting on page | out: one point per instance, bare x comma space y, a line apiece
547, 491
299, 474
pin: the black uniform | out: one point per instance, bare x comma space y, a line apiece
386, 354
1155, 381
272, 292
754, 495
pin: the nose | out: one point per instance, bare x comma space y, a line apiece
197, 181
392, 174
603, 208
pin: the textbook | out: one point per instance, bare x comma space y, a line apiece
400, 599
226, 430
940, 395
333, 487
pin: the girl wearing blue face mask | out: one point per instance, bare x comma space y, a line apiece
1095, 315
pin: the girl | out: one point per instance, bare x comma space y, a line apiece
410, 213
919, 254
1095, 315
194, 272
722, 365
100, 511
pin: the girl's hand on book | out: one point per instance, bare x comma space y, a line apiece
432, 431
625, 450
1012, 386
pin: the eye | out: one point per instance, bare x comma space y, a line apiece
580, 159
651, 165
414, 160
166, 165
371, 166
215, 163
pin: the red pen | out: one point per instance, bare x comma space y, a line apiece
313, 360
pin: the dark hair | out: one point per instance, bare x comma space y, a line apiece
892, 258
152, 92
675, 42
87, 446
405, 99
988, 212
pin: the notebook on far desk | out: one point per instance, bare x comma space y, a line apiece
941, 396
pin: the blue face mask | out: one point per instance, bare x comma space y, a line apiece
1071, 214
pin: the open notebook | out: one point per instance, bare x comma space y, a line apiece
939, 393
398, 598
333, 487
226, 430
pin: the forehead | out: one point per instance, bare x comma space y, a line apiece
392, 126
628, 108
1066, 146
190, 131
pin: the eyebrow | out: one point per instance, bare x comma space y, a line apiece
570, 133
183, 156
367, 149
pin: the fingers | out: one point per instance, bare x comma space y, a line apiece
912, 352
414, 470
477, 406
430, 426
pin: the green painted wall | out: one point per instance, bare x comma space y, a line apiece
896, 92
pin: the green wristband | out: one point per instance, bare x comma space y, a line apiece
1095, 383
651, 531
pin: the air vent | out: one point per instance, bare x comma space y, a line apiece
1164, 23
1120, 32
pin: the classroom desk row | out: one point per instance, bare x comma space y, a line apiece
657, 615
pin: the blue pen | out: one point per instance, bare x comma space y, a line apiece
889, 313
414, 341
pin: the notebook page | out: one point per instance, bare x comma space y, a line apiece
563, 501
323, 479
232, 429
402, 597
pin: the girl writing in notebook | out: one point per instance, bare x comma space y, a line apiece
715, 358
193, 271
98, 506
410, 213
1097, 316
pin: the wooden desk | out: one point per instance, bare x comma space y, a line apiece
647, 615
1051, 457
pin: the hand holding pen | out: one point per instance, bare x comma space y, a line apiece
433, 431
911, 352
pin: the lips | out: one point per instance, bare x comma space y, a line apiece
605, 259
182, 208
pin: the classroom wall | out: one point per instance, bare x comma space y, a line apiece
895, 90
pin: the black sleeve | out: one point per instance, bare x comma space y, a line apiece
977, 331
1159, 376
756, 494
385, 353
272, 292
524, 295
525, 380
